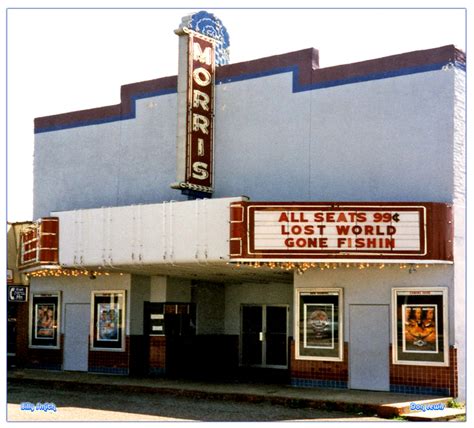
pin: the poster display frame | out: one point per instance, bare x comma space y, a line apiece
107, 323
420, 326
45, 320
319, 324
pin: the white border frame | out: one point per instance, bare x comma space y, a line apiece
58, 321
444, 293
92, 326
296, 326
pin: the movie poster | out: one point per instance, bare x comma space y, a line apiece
319, 326
107, 326
420, 328
45, 320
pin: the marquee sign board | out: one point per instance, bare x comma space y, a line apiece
202, 43
276, 231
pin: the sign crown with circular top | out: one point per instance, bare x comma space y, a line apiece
207, 24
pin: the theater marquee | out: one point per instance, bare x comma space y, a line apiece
341, 230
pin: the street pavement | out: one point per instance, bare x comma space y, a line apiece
307, 403
158, 406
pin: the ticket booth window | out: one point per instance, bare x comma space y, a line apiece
319, 324
420, 326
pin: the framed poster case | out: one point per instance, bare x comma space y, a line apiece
420, 326
44, 322
319, 324
108, 320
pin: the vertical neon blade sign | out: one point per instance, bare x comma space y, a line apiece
200, 130
203, 44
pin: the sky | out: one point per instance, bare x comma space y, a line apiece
63, 59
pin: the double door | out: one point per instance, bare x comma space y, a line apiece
264, 336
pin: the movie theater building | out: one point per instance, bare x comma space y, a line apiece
268, 216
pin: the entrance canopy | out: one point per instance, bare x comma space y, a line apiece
226, 239
184, 239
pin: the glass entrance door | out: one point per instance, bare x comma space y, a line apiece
264, 336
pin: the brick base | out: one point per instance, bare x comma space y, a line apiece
109, 370
426, 379
318, 383
110, 361
327, 374
49, 359
430, 380
157, 355
156, 371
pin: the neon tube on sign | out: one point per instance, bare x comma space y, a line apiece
200, 112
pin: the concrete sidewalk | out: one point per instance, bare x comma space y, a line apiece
383, 404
